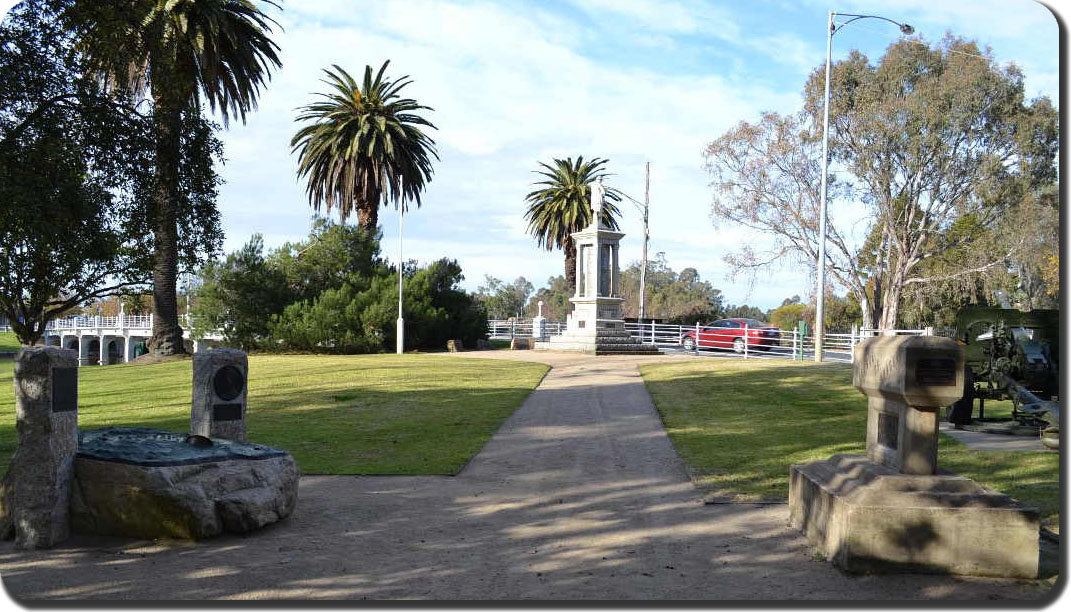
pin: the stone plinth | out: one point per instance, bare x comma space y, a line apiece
147, 483
599, 342
35, 493
907, 379
892, 511
867, 518
219, 394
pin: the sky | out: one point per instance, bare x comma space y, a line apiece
516, 83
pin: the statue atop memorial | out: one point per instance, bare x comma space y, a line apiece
597, 193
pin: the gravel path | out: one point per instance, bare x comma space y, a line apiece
579, 495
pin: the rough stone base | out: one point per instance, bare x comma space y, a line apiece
866, 518
191, 501
599, 342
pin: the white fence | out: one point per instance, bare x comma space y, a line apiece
756, 343
744, 342
122, 321
505, 329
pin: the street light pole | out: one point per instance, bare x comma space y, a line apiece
401, 266
646, 236
819, 311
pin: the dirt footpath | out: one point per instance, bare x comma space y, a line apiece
579, 495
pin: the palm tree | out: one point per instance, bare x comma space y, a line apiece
563, 206
180, 53
364, 146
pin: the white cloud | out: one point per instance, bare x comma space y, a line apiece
515, 84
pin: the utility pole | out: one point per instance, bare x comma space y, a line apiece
646, 236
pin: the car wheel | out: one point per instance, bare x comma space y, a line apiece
688, 343
738, 345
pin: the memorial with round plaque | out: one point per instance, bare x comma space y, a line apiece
219, 394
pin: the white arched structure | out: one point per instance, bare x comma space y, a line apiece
108, 340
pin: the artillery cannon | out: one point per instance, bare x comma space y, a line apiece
1011, 355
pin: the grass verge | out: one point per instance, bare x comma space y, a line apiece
739, 425
351, 414
9, 343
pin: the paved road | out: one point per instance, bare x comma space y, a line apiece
579, 495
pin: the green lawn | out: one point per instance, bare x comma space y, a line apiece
353, 414
739, 425
8, 342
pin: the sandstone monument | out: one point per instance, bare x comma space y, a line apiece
893, 510
596, 324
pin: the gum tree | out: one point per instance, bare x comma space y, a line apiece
936, 144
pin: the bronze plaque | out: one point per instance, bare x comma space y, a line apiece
889, 430
64, 389
226, 412
938, 372
229, 382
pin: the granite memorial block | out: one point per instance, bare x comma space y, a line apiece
220, 387
35, 493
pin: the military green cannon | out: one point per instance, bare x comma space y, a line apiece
1011, 355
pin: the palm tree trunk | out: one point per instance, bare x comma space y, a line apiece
166, 335
570, 264
368, 215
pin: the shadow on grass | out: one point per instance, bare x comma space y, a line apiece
740, 425
356, 415
579, 498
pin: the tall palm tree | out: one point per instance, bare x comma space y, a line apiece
364, 146
563, 206
180, 53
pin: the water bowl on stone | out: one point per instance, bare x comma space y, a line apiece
158, 447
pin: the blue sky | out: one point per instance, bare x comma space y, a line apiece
515, 83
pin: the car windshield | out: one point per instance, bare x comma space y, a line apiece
753, 323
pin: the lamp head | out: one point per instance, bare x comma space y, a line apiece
906, 29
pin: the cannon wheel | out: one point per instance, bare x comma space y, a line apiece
960, 411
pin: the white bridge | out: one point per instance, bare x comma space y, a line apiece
110, 340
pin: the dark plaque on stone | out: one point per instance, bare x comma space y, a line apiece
935, 371
64, 389
888, 430
228, 383
226, 412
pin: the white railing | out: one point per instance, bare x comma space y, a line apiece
757, 343
504, 329
120, 325
120, 322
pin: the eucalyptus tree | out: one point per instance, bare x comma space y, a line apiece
936, 145
363, 145
562, 205
180, 54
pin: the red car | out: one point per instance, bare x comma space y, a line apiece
729, 333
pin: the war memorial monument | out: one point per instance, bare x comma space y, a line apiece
597, 324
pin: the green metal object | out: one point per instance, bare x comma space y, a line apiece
1011, 355
804, 331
